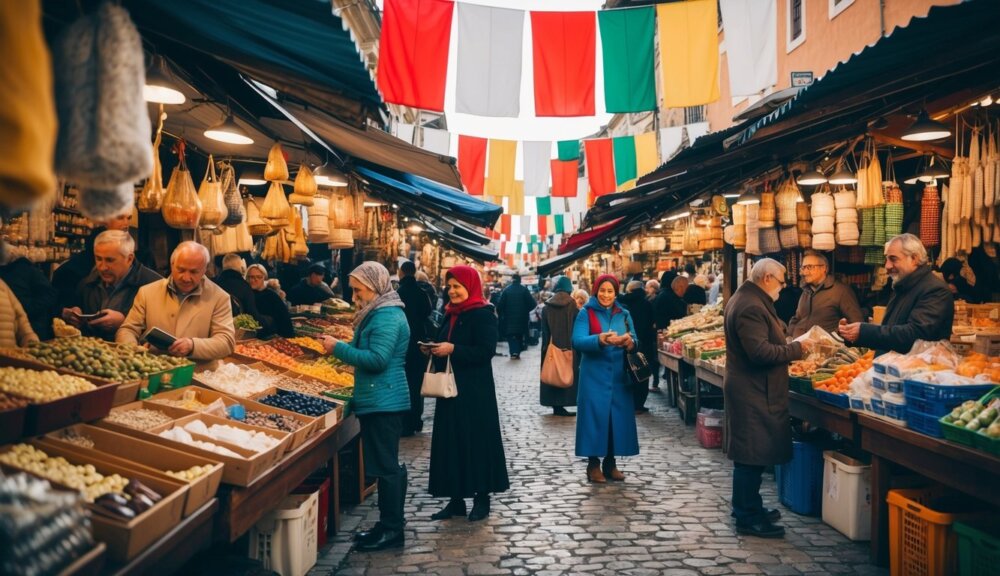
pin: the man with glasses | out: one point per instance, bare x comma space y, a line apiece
824, 301
755, 388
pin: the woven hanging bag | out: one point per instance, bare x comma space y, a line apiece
787, 200
235, 212
867, 227
769, 241
789, 237
880, 237
739, 226
930, 217
753, 238
767, 215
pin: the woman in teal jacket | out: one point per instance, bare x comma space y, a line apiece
381, 395
605, 415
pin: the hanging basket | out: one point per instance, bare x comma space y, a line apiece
319, 224
768, 213
789, 237
823, 242
342, 211
151, 197
276, 169
255, 224
300, 200
769, 242
213, 207
341, 239
275, 209
181, 206
235, 213
930, 217
753, 235
305, 182
787, 200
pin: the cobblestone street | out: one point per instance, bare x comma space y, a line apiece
670, 516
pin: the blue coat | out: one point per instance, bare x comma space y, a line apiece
603, 398
378, 354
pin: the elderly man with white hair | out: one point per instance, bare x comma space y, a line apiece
921, 308
758, 433
110, 289
188, 306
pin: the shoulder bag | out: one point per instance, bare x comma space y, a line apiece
438, 384
557, 367
636, 364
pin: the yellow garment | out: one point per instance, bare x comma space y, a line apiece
646, 159
27, 107
500, 168
515, 202
689, 52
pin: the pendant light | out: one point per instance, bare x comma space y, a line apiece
925, 129
748, 197
229, 131
327, 175
160, 86
842, 176
933, 172
811, 177
252, 176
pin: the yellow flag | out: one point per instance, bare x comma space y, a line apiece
515, 203
689, 52
646, 159
500, 169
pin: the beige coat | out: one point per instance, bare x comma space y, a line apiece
205, 315
15, 330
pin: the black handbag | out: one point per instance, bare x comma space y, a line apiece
636, 365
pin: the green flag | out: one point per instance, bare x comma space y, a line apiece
559, 223
569, 150
544, 205
520, 246
627, 42
534, 238
624, 147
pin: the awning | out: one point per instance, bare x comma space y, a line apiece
430, 197
562, 261
593, 236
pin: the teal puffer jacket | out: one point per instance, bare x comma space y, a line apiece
378, 354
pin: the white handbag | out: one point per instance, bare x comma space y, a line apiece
438, 384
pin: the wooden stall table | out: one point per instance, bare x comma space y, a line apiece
826, 416
168, 554
960, 467
673, 375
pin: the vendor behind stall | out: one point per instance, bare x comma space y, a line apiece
824, 301
311, 289
70, 273
111, 287
921, 307
187, 306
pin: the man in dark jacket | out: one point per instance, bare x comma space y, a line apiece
71, 272
921, 307
757, 433
32, 289
634, 300
417, 308
669, 304
111, 287
311, 289
231, 280
514, 306
824, 301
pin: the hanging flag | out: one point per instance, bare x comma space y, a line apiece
505, 225
627, 44
624, 152
525, 225
488, 78
543, 225
543, 205
569, 150
600, 165
564, 55
436, 141
500, 174
645, 154
689, 52
413, 52
404, 132
564, 175
515, 202
520, 247
472, 163
559, 226
751, 45
536, 167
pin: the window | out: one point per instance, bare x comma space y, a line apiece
796, 24
838, 6
693, 114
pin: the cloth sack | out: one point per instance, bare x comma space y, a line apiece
557, 367
438, 384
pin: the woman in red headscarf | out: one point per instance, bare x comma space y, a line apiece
467, 455
605, 414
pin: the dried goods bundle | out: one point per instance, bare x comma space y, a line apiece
213, 206
305, 182
276, 169
181, 206
275, 209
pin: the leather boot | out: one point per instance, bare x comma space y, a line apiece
455, 507
480, 507
594, 473
611, 471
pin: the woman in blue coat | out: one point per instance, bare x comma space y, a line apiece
605, 416
381, 395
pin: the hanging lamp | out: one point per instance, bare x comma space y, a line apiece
160, 86
229, 131
811, 177
842, 176
925, 129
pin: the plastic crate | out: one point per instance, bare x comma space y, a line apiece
285, 539
921, 541
847, 497
978, 550
319, 483
838, 400
800, 482
924, 423
801, 385
943, 393
931, 407
708, 428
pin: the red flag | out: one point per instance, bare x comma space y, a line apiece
600, 165
472, 163
505, 225
413, 52
543, 226
563, 178
564, 45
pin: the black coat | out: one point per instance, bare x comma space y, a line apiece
558, 316
467, 454
304, 293
274, 316
513, 307
240, 291
34, 292
417, 307
642, 314
667, 306
695, 295
921, 308
91, 295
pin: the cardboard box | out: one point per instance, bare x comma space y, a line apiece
143, 454
988, 344
327, 421
170, 411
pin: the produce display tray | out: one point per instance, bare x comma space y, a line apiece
941, 392
326, 421
174, 413
924, 423
801, 385
838, 400
143, 454
176, 377
12, 424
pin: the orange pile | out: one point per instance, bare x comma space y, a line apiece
976, 363
842, 378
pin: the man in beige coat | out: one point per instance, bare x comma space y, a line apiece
186, 305
15, 330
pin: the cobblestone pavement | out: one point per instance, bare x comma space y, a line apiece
670, 516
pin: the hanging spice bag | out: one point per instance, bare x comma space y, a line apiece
276, 169
930, 217
151, 197
768, 212
235, 212
213, 207
181, 206
276, 207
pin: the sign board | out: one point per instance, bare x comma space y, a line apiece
802, 78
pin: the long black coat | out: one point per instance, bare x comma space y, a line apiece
756, 381
921, 308
558, 316
642, 314
666, 307
467, 454
513, 307
274, 315
240, 291
418, 308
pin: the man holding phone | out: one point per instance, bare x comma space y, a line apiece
105, 296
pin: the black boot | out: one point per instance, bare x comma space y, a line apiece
366, 536
455, 507
480, 507
560, 411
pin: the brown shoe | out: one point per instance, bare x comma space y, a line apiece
615, 475
596, 476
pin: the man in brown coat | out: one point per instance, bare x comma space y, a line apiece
756, 394
186, 305
824, 301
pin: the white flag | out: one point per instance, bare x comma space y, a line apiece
488, 77
536, 167
751, 46
437, 141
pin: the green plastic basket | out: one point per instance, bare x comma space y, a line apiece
978, 550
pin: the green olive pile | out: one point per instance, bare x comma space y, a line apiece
96, 357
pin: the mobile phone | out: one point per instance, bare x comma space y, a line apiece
429, 344
94, 316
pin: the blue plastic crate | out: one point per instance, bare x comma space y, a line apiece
931, 407
923, 423
942, 392
800, 482
838, 400
896, 411
878, 406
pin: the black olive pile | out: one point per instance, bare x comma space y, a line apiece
300, 403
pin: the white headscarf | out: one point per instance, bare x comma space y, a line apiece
375, 277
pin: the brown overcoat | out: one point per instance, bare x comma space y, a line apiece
756, 382
558, 317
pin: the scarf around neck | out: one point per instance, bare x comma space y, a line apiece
375, 277
469, 278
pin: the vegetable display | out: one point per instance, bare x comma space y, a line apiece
93, 356
41, 386
246, 322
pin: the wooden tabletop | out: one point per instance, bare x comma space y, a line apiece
669, 361
823, 415
168, 554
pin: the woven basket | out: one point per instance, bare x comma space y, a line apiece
341, 239
845, 199
769, 242
789, 237
802, 211
930, 217
893, 219
879, 218
822, 225
847, 233
805, 239
753, 239
729, 235
822, 205
768, 212
319, 224
786, 201
847, 215
823, 242
867, 227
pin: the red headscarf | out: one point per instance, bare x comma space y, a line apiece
606, 278
469, 278
595, 324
